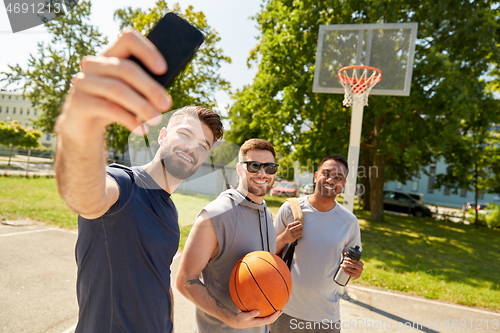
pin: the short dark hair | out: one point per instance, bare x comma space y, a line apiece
258, 144
206, 116
336, 157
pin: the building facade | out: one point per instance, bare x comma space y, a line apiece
14, 106
442, 196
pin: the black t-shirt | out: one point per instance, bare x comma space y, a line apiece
124, 259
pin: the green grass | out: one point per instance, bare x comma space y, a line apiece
36, 199
274, 203
434, 259
189, 206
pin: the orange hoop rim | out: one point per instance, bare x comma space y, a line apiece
351, 80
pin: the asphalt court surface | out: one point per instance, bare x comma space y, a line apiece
367, 309
38, 277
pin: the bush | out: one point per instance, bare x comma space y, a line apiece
493, 217
481, 218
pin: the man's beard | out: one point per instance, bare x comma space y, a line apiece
176, 167
329, 193
258, 191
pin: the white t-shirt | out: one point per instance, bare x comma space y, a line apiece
318, 254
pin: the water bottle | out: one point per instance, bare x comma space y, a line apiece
342, 277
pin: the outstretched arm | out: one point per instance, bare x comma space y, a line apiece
110, 88
201, 246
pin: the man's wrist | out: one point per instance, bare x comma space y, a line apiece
283, 237
85, 128
230, 318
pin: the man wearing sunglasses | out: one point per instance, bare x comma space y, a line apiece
329, 230
234, 224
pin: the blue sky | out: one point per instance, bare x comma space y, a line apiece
229, 17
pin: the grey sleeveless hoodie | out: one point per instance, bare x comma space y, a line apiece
241, 226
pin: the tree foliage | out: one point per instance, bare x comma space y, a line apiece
200, 79
47, 77
12, 134
117, 139
457, 45
198, 82
473, 160
492, 150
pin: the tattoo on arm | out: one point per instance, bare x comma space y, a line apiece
193, 282
197, 281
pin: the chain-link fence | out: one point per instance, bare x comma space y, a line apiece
16, 161
39, 162
26, 162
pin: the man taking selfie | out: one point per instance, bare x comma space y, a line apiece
127, 226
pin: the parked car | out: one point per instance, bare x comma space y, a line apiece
309, 188
405, 203
469, 205
481, 207
417, 196
285, 189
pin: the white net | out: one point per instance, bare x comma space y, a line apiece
359, 85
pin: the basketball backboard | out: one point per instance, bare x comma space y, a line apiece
390, 47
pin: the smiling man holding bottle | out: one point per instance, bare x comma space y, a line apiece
328, 232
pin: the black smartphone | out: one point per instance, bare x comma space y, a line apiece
178, 41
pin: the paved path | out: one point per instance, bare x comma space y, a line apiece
37, 294
37, 166
367, 309
37, 279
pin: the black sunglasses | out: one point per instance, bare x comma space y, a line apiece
253, 167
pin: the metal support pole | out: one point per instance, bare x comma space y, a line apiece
28, 164
353, 157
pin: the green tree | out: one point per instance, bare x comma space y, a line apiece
492, 150
14, 134
117, 140
197, 83
457, 44
492, 147
47, 77
286, 169
472, 159
224, 153
240, 117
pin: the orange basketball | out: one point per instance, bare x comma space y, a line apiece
260, 281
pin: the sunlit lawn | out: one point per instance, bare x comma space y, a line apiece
435, 259
36, 199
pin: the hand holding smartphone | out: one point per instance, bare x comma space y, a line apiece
105, 92
177, 40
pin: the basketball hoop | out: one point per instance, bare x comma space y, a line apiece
358, 85
363, 44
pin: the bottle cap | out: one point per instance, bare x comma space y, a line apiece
354, 253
